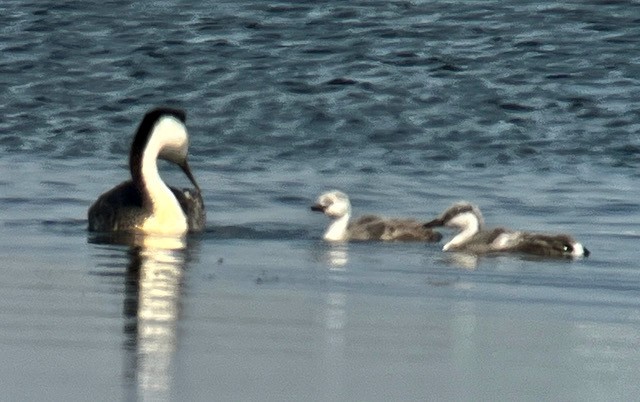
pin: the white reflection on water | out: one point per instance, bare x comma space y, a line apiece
463, 260
338, 256
153, 290
333, 356
333, 321
335, 255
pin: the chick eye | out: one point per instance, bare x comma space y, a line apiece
568, 248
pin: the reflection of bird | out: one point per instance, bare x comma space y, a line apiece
146, 204
153, 292
336, 205
475, 239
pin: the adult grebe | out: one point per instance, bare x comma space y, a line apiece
146, 204
335, 204
473, 238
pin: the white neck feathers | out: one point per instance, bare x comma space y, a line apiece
167, 216
470, 226
337, 230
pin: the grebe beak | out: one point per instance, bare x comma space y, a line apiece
187, 171
434, 223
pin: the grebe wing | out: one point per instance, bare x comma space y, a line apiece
116, 209
366, 227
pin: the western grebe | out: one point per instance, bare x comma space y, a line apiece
335, 204
473, 238
145, 204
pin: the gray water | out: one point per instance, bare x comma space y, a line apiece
529, 109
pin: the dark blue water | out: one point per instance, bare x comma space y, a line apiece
530, 109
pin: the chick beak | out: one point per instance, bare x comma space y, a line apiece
434, 223
318, 208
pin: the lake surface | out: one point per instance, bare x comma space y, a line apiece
529, 109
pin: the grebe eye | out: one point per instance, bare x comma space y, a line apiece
568, 248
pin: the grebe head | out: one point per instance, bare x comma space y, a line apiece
162, 132
335, 204
461, 215
568, 247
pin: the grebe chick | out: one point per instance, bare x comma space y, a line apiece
335, 204
145, 204
473, 238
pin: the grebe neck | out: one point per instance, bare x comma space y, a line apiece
337, 230
166, 216
471, 228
